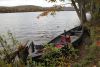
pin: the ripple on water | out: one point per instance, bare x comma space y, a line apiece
26, 26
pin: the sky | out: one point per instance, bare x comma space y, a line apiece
42, 3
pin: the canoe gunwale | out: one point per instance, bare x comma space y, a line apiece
81, 33
74, 43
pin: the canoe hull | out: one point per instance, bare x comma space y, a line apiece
55, 40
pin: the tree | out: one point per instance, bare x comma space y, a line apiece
79, 6
95, 9
93, 6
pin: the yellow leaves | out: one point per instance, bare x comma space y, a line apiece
54, 0
9, 65
45, 13
21, 65
94, 66
21, 47
51, 11
69, 65
97, 1
51, 0
18, 64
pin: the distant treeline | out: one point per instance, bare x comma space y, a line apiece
31, 8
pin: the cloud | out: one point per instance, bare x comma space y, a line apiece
26, 2
5, 0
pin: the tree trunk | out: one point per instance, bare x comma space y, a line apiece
80, 10
84, 11
76, 9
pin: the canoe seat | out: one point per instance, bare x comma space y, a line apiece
39, 46
73, 38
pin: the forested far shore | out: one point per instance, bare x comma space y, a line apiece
31, 8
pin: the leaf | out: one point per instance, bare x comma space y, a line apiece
51, 11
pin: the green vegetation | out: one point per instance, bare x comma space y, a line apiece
86, 55
67, 56
51, 57
9, 51
91, 53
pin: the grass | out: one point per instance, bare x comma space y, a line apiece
91, 57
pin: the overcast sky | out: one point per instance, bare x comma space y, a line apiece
27, 2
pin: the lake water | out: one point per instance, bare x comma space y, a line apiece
26, 26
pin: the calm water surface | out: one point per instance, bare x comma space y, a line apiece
26, 26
